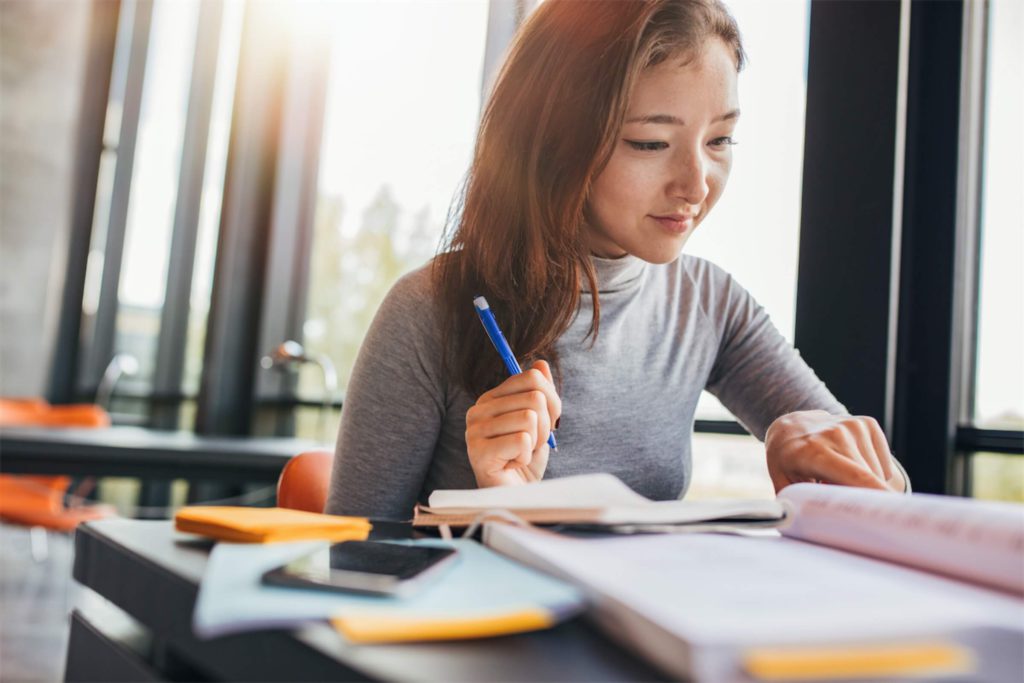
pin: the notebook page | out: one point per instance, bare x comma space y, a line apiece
618, 503
974, 540
584, 491
684, 511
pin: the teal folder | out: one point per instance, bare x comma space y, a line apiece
483, 594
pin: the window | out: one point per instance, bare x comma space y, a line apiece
157, 201
397, 143
213, 187
154, 183
754, 232
999, 383
998, 400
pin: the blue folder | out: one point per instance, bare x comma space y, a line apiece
482, 595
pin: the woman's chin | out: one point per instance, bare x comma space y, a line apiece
662, 252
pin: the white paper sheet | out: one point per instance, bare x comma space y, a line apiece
584, 491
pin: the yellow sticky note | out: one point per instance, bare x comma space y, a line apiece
814, 663
370, 628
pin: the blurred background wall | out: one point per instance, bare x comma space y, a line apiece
41, 49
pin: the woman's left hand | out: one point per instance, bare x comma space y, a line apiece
813, 445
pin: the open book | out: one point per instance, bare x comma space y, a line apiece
594, 499
721, 607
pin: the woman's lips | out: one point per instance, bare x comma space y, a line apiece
675, 224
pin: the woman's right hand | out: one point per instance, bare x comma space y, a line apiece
507, 428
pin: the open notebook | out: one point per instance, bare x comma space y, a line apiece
722, 607
594, 499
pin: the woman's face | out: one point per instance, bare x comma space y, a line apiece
671, 159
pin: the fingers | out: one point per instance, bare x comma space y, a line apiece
511, 450
836, 449
862, 438
859, 445
545, 370
537, 378
841, 470
833, 467
524, 420
483, 419
554, 400
509, 461
539, 461
780, 479
881, 445
508, 427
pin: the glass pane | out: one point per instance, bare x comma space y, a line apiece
999, 382
213, 189
754, 231
154, 183
997, 477
105, 185
729, 466
398, 140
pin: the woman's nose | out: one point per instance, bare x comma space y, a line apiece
690, 181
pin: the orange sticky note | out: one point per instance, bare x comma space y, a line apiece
268, 525
881, 661
395, 629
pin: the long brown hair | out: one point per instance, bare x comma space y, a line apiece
548, 130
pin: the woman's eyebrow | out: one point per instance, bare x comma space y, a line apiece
675, 120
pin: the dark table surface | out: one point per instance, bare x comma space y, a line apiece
138, 452
152, 573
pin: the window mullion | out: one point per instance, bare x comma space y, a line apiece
231, 350
171, 341
101, 348
96, 92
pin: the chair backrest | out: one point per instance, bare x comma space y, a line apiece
304, 481
39, 500
16, 412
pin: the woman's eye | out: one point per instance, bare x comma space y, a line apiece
645, 146
723, 141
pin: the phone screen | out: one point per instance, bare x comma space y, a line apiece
370, 566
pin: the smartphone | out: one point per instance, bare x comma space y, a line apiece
372, 567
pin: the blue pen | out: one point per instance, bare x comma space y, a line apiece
498, 339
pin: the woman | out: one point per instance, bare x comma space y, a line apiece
605, 144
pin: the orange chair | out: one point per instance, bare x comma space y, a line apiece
38, 501
34, 412
304, 481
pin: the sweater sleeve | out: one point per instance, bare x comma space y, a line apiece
757, 374
393, 409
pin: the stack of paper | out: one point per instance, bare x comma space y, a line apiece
799, 606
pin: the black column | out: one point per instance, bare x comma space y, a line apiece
170, 350
935, 278
231, 353
848, 240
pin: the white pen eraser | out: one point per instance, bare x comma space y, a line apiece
481, 303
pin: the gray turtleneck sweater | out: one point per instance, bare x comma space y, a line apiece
667, 332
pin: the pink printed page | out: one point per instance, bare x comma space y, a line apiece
977, 541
